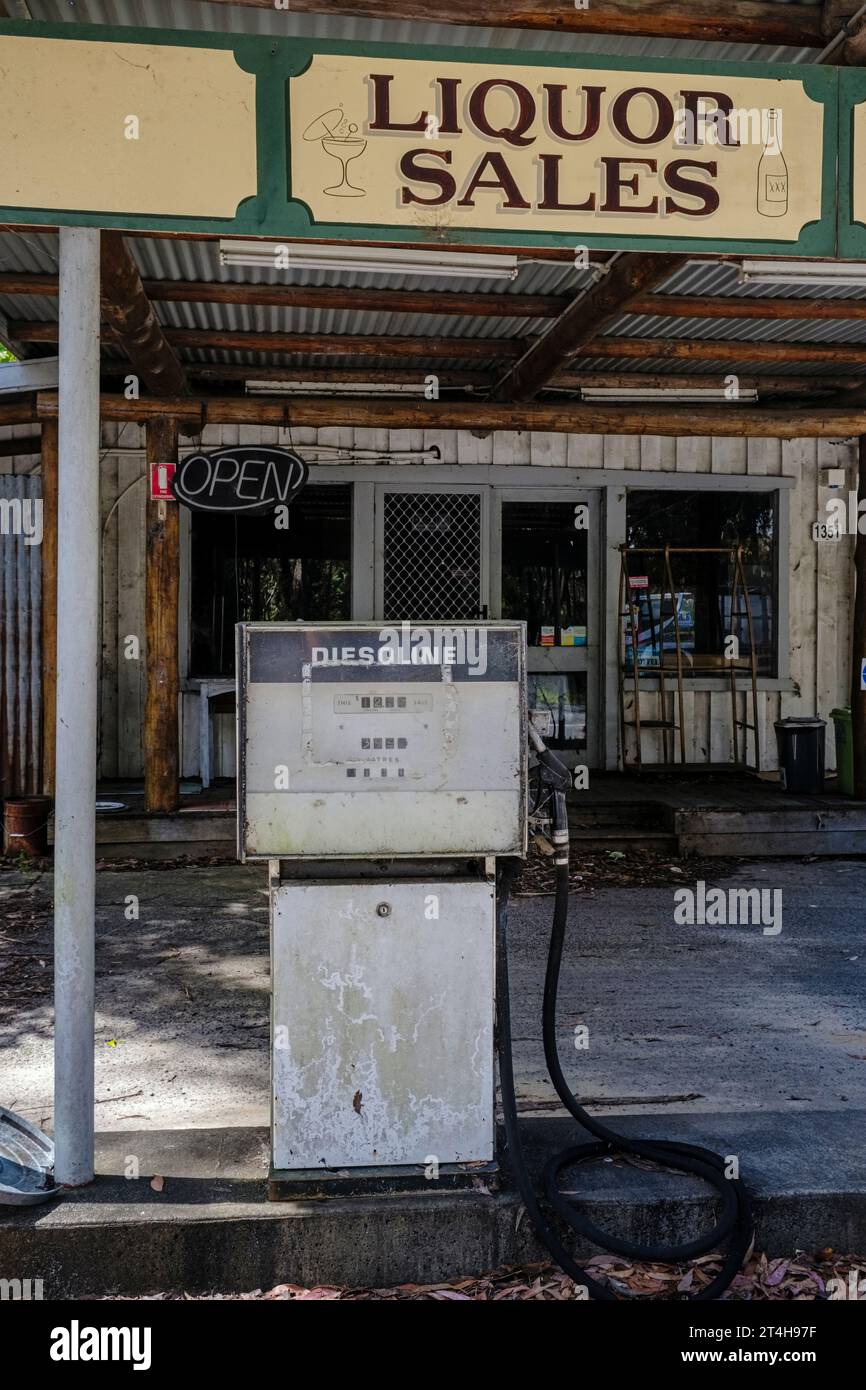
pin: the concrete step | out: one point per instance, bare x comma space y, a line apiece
788, 831
211, 1226
122, 827
785, 829
614, 838
189, 832
628, 814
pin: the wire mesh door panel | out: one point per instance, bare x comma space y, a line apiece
432, 556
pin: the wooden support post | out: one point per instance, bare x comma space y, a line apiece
49, 604
858, 653
161, 731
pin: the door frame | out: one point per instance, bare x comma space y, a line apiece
368, 577
580, 659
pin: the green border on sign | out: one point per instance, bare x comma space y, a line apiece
272, 213
852, 93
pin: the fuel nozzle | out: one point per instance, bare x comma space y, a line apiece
554, 773
549, 814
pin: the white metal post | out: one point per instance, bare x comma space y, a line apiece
77, 665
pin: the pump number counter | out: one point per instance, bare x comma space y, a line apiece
368, 740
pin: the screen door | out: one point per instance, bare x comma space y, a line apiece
431, 553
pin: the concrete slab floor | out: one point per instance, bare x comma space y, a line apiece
681, 1018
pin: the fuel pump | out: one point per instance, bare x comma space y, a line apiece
382, 771
384, 775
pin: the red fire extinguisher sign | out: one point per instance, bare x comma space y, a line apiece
161, 475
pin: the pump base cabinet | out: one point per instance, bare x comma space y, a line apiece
382, 1024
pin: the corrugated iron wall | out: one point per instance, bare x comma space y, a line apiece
20, 636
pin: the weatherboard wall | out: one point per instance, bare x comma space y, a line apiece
814, 645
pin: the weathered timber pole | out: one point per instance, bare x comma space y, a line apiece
162, 573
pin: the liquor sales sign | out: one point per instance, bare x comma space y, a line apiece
591, 152
242, 135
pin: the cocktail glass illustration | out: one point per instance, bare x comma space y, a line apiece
340, 139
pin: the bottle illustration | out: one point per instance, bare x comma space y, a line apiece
773, 171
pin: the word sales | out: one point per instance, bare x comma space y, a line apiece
642, 117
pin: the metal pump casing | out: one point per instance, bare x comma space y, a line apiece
381, 770
370, 741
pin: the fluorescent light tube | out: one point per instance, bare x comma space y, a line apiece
332, 388
378, 260
809, 274
697, 395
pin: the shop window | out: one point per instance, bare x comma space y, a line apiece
246, 570
544, 561
703, 584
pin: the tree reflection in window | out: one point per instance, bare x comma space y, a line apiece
245, 569
544, 571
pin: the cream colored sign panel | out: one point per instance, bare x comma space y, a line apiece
114, 127
858, 186
582, 151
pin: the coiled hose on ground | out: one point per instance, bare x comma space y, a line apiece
735, 1221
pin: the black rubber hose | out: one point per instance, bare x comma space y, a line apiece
735, 1222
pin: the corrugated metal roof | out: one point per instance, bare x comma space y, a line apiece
723, 277
659, 366
739, 330
193, 14
198, 260
172, 259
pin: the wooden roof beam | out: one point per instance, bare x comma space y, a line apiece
20, 410
738, 21
332, 345
568, 417
836, 17
720, 306
726, 350
32, 444
320, 297
214, 379
430, 350
456, 304
452, 303
128, 312
473, 381
589, 312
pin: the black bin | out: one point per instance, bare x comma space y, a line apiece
801, 754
